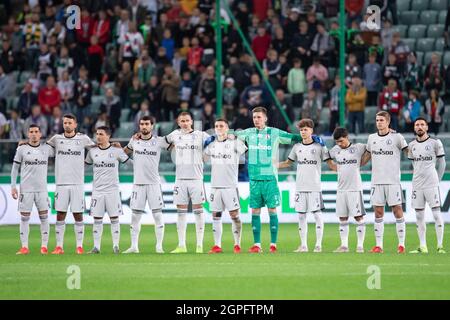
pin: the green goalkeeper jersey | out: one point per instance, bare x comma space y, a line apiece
263, 150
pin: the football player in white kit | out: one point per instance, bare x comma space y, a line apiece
69, 175
188, 144
308, 155
105, 160
225, 154
146, 151
428, 158
32, 160
349, 198
384, 148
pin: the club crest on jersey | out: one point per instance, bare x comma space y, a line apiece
428, 148
351, 150
389, 142
111, 155
313, 151
227, 146
153, 143
78, 142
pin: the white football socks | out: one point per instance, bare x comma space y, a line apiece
159, 228
199, 225
421, 227
115, 231
181, 227
379, 231
45, 229
217, 231
303, 229
439, 225
60, 228
97, 230
24, 230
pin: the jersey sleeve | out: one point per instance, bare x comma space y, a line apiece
368, 145
18, 156
163, 143
325, 154
88, 159
362, 148
439, 149
88, 143
287, 138
402, 144
51, 151
240, 147
121, 155
170, 137
293, 154
130, 144
242, 134
332, 153
52, 141
205, 136
410, 155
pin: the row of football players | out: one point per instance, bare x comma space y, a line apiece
191, 147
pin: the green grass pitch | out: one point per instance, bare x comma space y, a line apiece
284, 275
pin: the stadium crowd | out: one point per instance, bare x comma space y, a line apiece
157, 57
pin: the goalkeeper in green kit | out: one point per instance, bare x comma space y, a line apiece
263, 142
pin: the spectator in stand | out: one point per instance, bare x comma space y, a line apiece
446, 27
230, 99
386, 34
272, 68
144, 67
136, 95
36, 117
27, 99
291, 26
195, 53
95, 59
401, 51
66, 87
34, 33
354, 11
385, 6
131, 45
101, 28
412, 110
372, 80
208, 117
82, 94
316, 76
276, 118
137, 12
49, 97
123, 82
261, 43
111, 107
413, 77
169, 43
45, 63
356, 104
311, 108
352, 69
297, 83
279, 42
434, 73
391, 100
64, 62
153, 90
16, 125
170, 88
434, 108
207, 87
241, 71
84, 33
391, 69
334, 105
255, 95
301, 44
56, 122
323, 45
122, 26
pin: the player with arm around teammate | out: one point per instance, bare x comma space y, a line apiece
346, 158
308, 196
188, 149
224, 154
69, 148
32, 161
146, 151
105, 192
384, 149
428, 158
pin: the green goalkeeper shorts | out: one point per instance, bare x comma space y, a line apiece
264, 193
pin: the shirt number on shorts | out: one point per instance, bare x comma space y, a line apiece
414, 195
134, 195
93, 203
175, 190
297, 197
373, 191
211, 198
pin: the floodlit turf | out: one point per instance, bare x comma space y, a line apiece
284, 275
